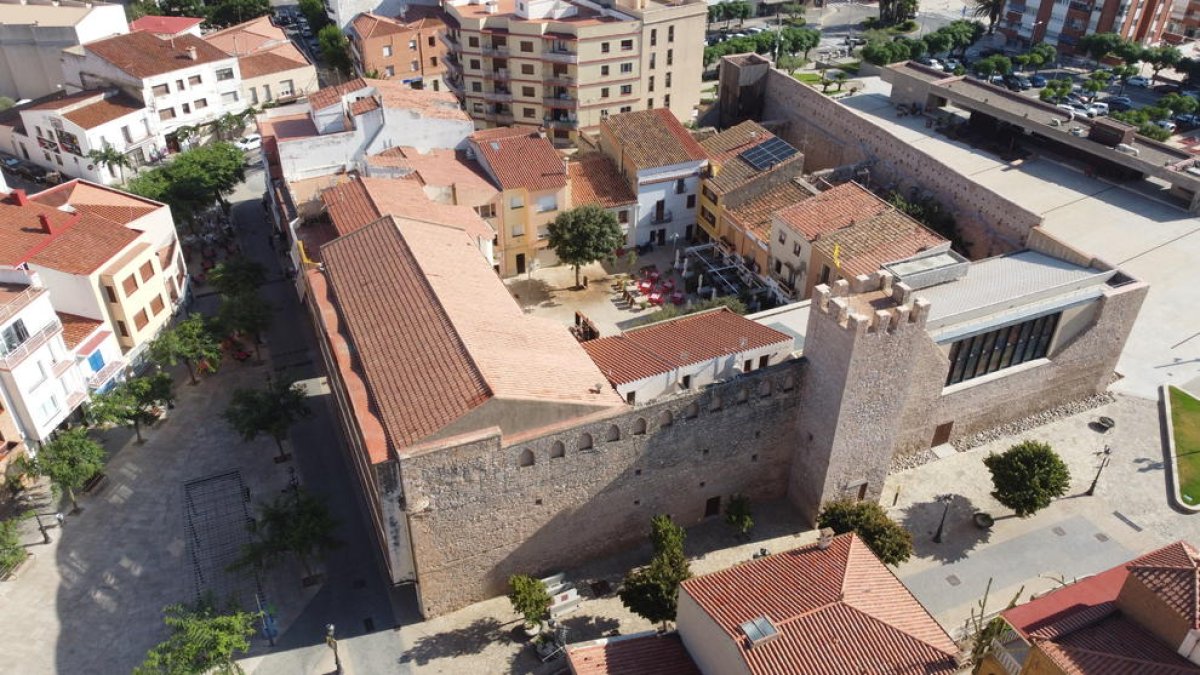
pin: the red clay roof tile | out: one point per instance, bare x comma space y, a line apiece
143, 55
526, 160
595, 179
653, 138
643, 654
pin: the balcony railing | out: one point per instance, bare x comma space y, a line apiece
30, 345
561, 123
560, 56
106, 373
498, 74
24, 298
496, 51
665, 217
449, 40
560, 81
498, 96
559, 102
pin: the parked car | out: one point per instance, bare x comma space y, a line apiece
9, 162
30, 171
1099, 108
249, 142
1167, 88
1083, 109
950, 64
1189, 120
1119, 106
1166, 124
1138, 81
1038, 81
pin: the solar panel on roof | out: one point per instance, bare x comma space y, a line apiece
768, 153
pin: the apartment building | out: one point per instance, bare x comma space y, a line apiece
662, 164
59, 131
184, 81
1062, 23
103, 255
532, 178
408, 48
1184, 23
272, 69
569, 65
33, 34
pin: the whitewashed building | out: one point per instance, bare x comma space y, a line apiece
33, 34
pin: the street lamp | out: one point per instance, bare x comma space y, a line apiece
331, 642
1103, 463
945, 500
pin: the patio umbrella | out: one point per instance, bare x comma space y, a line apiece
676, 265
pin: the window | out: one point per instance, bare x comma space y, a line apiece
603, 92
627, 68
604, 113
158, 90
547, 204
186, 108
48, 408
518, 229
414, 65
193, 80
796, 248
14, 335
691, 201
778, 267
623, 216
649, 104
653, 36
686, 382
603, 71
680, 186
253, 96
626, 108
486, 211
516, 202
604, 49
529, 113
667, 80
157, 305
475, 64
626, 45
473, 41
140, 319
229, 97
585, 442
477, 87
670, 33
432, 41
166, 114
526, 46
146, 271
670, 57
412, 45
477, 107
558, 450
639, 425
782, 237
130, 285
390, 71
110, 292
824, 274
122, 329
526, 68
224, 74
179, 85
626, 89
200, 103
526, 458
433, 61
528, 92
1002, 348
650, 84
653, 61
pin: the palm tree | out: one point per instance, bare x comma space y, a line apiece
108, 157
990, 10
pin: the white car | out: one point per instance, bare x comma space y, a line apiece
1138, 81
251, 142
1100, 108
1166, 124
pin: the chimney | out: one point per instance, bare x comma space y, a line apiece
191, 52
826, 538
45, 220
19, 197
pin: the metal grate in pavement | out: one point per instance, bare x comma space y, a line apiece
216, 514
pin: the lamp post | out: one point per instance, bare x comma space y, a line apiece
945, 500
1103, 463
331, 642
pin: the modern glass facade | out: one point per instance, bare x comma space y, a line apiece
978, 355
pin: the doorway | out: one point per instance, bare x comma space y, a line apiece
712, 507
660, 210
941, 435
520, 263
660, 236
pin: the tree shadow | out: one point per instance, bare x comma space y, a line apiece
583, 628
458, 643
959, 537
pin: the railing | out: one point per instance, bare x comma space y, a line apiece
556, 123
106, 373
30, 345
560, 56
1011, 664
559, 102
499, 74
24, 298
504, 96
449, 40
560, 81
665, 217
496, 52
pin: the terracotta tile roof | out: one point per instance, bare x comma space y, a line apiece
595, 179
652, 138
755, 215
832, 210
661, 347
450, 338
837, 610
76, 328
164, 25
249, 37
364, 105
105, 110
735, 140
428, 103
1114, 645
327, 96
143, 55
60, 101
357, 203
438, 167
257, 65
867, 245
368, 25
729, 170
640, 654
81, 240
525, 160
1173, 574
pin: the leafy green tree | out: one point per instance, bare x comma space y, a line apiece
1160, 57
1056, 91
1027, 477
131, 403
652, 592
298, 524
1123, 73
69, 460
314, 12
1100, 46
190, 341
246, 314
192, 8
109, 157
11, 550
990, 10
6, 103
799, 40
218, 167
270, 411
794, 12
529, 598
791, 63
1144, 119
890, 542
716, 12
237, 275
738, 515
938, 43
584, 235
740, 10
335, 48
232, 12
202, 641
1177, 104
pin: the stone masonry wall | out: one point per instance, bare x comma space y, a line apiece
477, 514
831, 135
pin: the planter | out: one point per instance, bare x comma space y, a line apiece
11, 573
532, 630
983, 521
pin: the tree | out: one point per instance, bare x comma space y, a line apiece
794, 12
1163, 56
1100, 45
529, 598
738, 515
584, 235
237, 275
990, 10
231, 12
335, 48
192, 8
1056, 90
740, 10
791, 63
1123, 73
1177, 104
11, 550
1027, 477
189, 341
314, 12
69, 460
890, 542
839, 78
270, 411
109, 157
139, 8
938, 43
130, 403
299, 524
652, 592
246, 314
202, 641
195, 178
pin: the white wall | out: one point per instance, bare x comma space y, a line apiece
659, 184
72, 293
32, 382
29, 54
141, 127
706, 642
703, 374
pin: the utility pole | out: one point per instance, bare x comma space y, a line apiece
945, 500
1103, 463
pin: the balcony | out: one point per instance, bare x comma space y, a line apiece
106, 374
498, 74
557, 80
496, 51
18, 301
450, 41
498, 96
560, 56
559, 102
30, 345
1010, 650
561, 122
660, 218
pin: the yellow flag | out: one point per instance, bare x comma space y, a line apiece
837, 252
